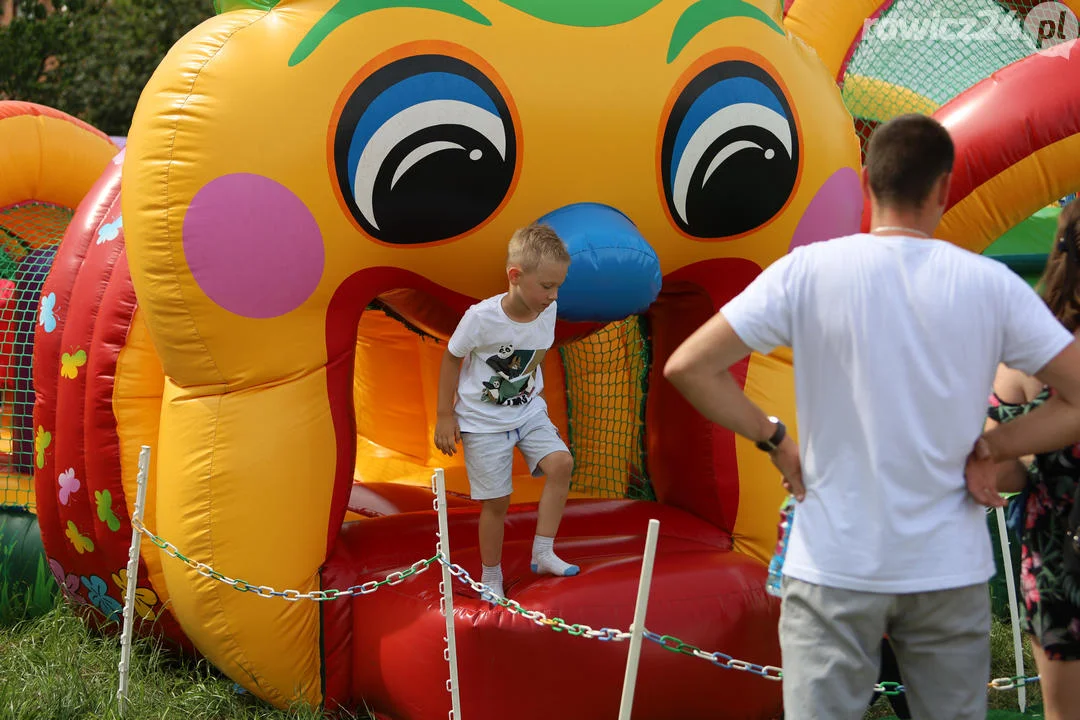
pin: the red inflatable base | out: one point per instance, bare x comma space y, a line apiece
385, 650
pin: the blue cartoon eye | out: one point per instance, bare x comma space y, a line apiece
424, 150
730, 153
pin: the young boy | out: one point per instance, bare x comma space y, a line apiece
492, 363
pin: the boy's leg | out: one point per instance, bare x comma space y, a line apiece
548, 455
489, 459
942, 643
491, 526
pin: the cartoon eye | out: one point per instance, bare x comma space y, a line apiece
424, 150
730, 153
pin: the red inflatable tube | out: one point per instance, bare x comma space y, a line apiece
86, 528
701, 592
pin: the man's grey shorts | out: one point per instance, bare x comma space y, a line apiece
489, 457
830, 641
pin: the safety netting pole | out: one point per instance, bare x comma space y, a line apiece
1010, 583
446, 603
637, 630
132, 577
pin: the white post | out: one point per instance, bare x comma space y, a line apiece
637, 630
1006, 561
132, 577
446, 588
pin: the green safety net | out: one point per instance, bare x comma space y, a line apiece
29, 234
922, 53
606, 384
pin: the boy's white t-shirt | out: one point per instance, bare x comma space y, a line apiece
501, 377
896, 341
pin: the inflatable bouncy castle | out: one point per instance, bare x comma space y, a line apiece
261, 284
48, 162
310, 196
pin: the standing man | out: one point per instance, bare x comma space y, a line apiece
896, 338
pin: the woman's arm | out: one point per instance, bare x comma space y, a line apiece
1014, 387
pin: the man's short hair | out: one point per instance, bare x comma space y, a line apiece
533, 244
905, 157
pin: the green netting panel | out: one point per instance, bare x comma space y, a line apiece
606, 385
922, 53
29, 234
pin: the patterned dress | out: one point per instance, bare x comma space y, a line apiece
1051, 596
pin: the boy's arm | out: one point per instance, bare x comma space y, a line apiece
447, 432
448, 382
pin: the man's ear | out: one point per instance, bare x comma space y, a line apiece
943, 189
513, 274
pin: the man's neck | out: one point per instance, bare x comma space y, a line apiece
895, 222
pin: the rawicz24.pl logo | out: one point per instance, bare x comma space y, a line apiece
1047, 24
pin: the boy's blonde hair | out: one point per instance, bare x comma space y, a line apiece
533, 244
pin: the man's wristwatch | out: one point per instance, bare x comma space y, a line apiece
773, 442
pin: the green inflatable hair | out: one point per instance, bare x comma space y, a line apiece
224, 6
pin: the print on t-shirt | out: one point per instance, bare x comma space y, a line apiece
515, 375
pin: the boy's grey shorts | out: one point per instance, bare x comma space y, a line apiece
489, 457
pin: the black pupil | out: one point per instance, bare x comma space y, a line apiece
451, 189
751, 185
447, 193
748, 186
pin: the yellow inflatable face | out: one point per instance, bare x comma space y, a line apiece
419, 134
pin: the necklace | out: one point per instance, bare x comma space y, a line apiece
913, 231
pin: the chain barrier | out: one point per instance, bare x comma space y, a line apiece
535, 616
206, 571
668, 642
719, 659
771, 672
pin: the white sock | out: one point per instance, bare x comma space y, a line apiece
492, 577
544, 559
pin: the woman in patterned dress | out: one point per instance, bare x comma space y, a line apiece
1051, 595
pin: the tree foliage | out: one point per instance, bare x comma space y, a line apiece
92, 58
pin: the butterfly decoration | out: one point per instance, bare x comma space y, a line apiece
70, 363
41, 442
81, 542
68, 484
69, 582
104, 509
98, 593
110, 231
145, 598
46, 316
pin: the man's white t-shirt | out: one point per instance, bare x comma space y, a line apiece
895, 343
501, 377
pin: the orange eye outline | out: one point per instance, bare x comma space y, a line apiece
691, 73
402, 52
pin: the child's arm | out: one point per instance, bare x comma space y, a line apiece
447, 434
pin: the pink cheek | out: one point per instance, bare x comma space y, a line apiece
835, 211
253, 246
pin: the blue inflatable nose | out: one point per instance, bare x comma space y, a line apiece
614, 272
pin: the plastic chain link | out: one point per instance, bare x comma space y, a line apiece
367, 588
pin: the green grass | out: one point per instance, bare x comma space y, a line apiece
53, 667
1002, 664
